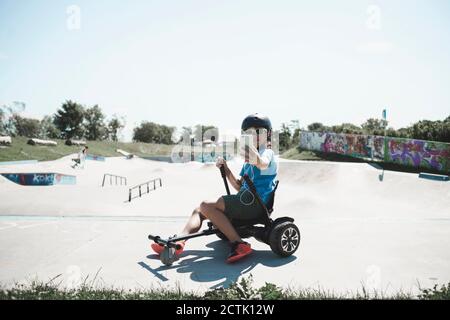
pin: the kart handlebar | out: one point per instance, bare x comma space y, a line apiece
163, 242
224, 177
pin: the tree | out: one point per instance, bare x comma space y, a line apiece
2, 122
185, 136
347, 128
152, 132
391, 132
115, 125
7, 112
200, 130
284, 137
403, 133
165, 134
445, 135
431, 130
317, 126
69, 120
374, 126
26, 127
94, 123
48, 130
296, 138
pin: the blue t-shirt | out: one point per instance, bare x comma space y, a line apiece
264, 180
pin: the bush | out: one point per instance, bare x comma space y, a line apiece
436, 293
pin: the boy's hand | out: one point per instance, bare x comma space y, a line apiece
221, 162
252, 150
250, 154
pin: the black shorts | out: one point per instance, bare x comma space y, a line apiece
242, 206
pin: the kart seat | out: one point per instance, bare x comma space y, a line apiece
272, 198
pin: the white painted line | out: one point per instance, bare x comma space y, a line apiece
10, 225
36, 225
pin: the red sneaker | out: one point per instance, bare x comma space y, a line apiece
238, 251
158, 248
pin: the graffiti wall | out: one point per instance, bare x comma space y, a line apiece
359, 146
409, 152
419, 153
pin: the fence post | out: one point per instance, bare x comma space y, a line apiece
129, 195
103, 183
140, 194
148, 187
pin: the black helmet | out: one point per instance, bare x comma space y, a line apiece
256, 120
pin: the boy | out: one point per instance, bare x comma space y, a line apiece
81, 158
261, 166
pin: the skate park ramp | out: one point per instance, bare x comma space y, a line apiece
360, 226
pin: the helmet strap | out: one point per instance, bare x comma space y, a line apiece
257, 139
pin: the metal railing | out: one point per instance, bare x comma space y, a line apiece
122, 180
139, 186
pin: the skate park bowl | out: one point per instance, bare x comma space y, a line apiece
389, 235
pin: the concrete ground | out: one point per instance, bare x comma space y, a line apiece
360, 227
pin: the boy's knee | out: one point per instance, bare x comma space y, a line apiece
220, 204
204, 207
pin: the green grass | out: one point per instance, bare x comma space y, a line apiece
243, 290
300, 154
20, 150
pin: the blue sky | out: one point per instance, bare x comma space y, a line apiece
213, 62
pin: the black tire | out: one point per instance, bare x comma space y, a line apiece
284, 239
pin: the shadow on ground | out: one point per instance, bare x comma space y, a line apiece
210, 265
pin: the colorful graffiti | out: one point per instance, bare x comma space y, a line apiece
40, 179
377, 144
409, 152
419, 153
346, 144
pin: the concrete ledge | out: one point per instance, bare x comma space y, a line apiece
5, 140
8, 163
40, 142
94, 157
40, 179
75, 142
437, 177
126, 154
